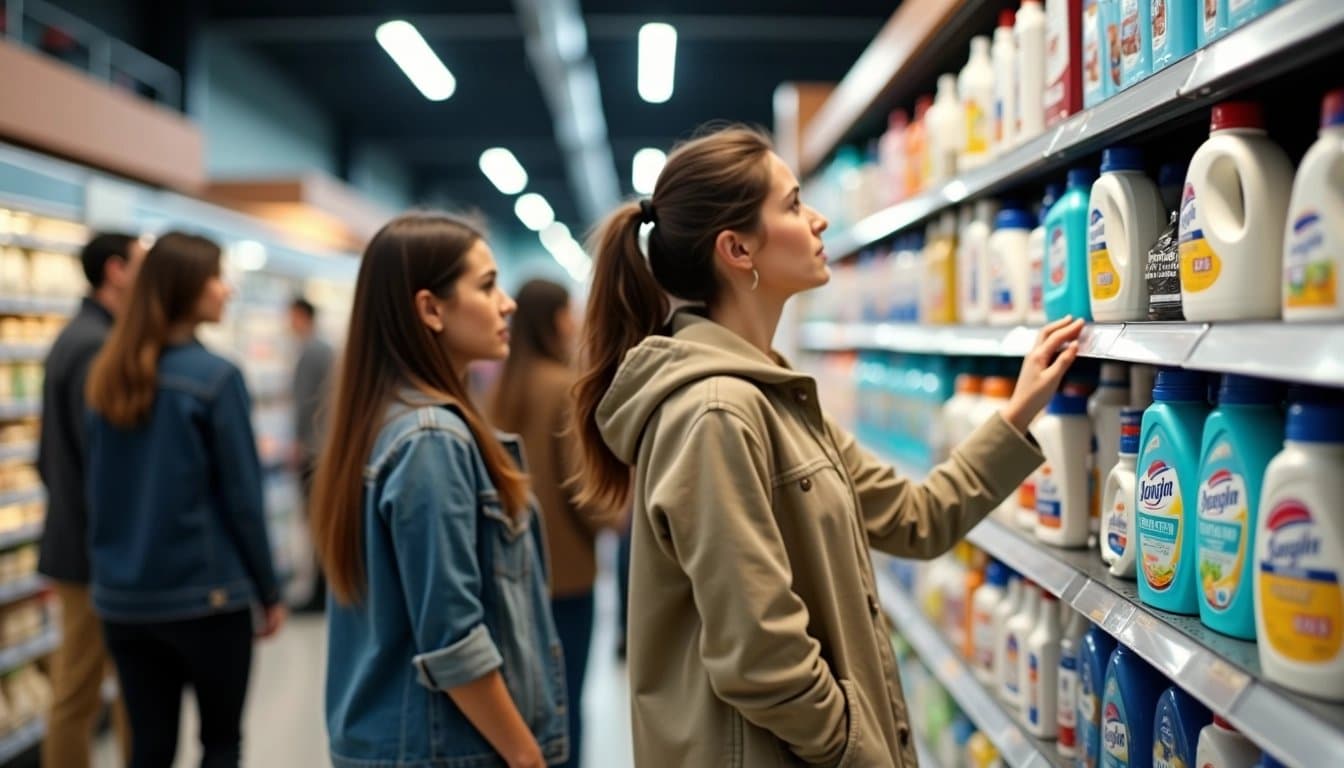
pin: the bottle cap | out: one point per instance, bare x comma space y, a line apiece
969, 384
1048, 597
922, 105
1065, 404
1014, 218
1316, 423
1237, 114
1221, 723
1131, 425
1247, 390
1052, 194
1118, 159
1180, 386
1082, 177
996, 573
1007, 18
1332, 109
1000, 387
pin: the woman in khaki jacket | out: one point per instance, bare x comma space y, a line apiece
533, 400
758, 638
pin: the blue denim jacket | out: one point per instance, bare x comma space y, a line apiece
455, 589
176, 524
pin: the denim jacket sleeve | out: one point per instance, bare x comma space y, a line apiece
429, 503
240, 479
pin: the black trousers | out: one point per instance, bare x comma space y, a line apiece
155, 662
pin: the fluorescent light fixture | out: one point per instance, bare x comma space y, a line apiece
567, 251
249, 255
555, 237
408, 49
503, 170
533, 210
657, 61
644, 170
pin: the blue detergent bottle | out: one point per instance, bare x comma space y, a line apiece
1173, 35
1127, 708
1094, 655
1066, 279
1240, 437
1210, 21
1176, 725
1168, 484
1136, 41
1241, 12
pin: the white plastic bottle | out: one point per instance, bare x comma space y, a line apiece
1313, 249
1233, 217
1299, 556
1015, 634
1222, 746
1005, 610
1042, 671
1066, 701
1141, 379
1036, 258
958, 409
1004, 54
1063, 497
1010, 267
1103, 409
1125, 218
946, 129
975, 86
994, 395
1119, 540
1030, 32
987, 597
973, 264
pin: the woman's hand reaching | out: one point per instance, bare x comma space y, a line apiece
1042, 371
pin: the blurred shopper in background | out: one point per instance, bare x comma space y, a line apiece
80, 664
534, 400
756, 635
310, 389
441, 646
178, 533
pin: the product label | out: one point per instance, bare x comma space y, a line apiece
1209, 18
1163, 275
1117, 522
1237, 6
1166, 751
1089, 717
982, 639
1026, 492
1299, 591
971, 253
1036, 281
1129, 35
1049, 505
1200, 266
1105, 280
1224, 517
1113, 51
1114, 728
1159, 13
1057, 258
1000, 287
1308, 266
1159, 517
1033, 689
977, 128
1067, 701
1011, 658
1092, 64
1056, 60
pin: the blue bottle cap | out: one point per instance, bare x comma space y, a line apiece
1081, 177
1248, 390
1121, 159
1332, 109
1014, 218
1052, 194
1316, 423
1131, 426
1177, 385
1171, 175
996, 573
1066, 404
1268, 761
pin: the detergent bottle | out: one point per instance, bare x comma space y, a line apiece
1066, 701
1094, 655
1313, 251
1127, 709
1095, 84
1063, 60
1136, 41
975, 86
983, 603
1041, 683
1119, 541
1063, 490
1176, 726
1003, 52
1126, 217
1222, 746
1030, 31
973, 289
1066, 278
1015, 634
1010, 267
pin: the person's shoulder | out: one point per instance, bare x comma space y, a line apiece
196, 367
406, 427
720, 394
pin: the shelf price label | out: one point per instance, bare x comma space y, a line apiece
1217, 682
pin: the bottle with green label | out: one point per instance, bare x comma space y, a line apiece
1168, 486
1240, 438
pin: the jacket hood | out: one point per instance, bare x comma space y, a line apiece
651, 372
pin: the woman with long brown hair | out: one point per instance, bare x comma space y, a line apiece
533, 399
441, 647
757, 638
179, 550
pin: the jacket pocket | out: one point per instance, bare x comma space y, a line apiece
858, 753
510, 549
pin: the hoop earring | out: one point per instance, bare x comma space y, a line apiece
755, 279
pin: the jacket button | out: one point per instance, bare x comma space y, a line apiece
805, 484
874, 605
903, 733
800, 395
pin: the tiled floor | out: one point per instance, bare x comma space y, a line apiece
284, 727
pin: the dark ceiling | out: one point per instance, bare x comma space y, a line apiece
731, 54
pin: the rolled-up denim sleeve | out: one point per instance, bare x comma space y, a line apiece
429, 503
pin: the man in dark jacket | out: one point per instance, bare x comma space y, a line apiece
80, 664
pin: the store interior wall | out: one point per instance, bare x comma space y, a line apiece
377, 173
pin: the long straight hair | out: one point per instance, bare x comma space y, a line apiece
714, 183
536, 337
387, 349
124, 377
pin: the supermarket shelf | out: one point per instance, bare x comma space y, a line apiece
1296, 33
20, 536
26, 451
36, 493
33, 242
23, 352
43, 644
22, 740
1302, 352
20, 410
22, 588
37, 305
1016, 747
1220, 671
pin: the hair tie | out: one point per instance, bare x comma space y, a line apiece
646, 212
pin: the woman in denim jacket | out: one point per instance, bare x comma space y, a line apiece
179, 551
441, 648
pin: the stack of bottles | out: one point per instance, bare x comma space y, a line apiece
953, 739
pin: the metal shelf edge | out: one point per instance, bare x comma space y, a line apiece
22, 740
36, 648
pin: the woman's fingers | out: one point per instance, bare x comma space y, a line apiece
1062, 335
1051, 328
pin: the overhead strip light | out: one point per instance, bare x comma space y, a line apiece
657, 61
648, 163
408, 49
503, 170
533, 210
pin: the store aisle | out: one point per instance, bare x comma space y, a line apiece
284, 710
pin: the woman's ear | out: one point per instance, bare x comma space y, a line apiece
734, 252
427, 309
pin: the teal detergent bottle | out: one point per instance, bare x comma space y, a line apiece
1173, 25
1240, 12
1136, 41
1176, 726
1094, 655
1127, 708
1168, 486
1066, 279
1240, 438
